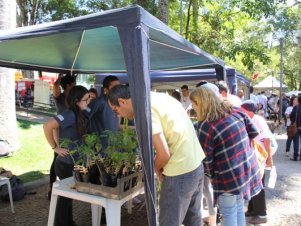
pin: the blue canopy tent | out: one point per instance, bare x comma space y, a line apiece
167, 79
127, 40
233, 78
175, 79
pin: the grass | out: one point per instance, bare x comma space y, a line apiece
32, 161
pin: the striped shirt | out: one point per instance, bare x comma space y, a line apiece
230, 161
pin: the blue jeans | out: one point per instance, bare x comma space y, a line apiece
296, 140
232, 209
180, 199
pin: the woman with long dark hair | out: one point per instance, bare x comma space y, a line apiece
296, 116
293, 102
70, 124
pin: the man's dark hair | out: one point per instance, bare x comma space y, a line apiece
176, 95
291, 102
251, 89
119, 91
67, 80
184, 87
107, 81
249, 105
222, 86
93, 90
202, 82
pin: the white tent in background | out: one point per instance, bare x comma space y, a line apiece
295, 93
269, 83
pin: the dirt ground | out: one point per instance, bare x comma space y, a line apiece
283, 202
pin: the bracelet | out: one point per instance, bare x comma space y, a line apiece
55, 146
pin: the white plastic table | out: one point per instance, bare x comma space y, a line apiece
112, 206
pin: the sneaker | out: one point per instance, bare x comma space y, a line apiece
257, 220
293, 159
287, 154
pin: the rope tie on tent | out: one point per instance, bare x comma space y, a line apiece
77, 51
140, 28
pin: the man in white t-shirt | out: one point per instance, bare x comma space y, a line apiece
224, 92
263, 100
253, 97
186, 103
241, 95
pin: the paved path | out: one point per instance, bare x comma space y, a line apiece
283, 202
31, 116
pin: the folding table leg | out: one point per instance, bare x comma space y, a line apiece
96, 214
10, 197
52, 209
129, 205
113, 213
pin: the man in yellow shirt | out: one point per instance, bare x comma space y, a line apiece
178, 161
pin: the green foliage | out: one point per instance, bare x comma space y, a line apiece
255, 9
87, 149
119, 154
121, 150
63, 9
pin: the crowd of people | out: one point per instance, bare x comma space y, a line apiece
205, 143
24, 97
79, 111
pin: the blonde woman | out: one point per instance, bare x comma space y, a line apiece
224, 133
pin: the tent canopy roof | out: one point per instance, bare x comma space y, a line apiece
121, 40
91, 44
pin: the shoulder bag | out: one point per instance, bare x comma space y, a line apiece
292, 129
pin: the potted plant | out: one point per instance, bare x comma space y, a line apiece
105, 166
120, 157
87, 150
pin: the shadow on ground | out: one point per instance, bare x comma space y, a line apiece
32, 176
26, 124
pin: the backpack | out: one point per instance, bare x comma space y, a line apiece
17, 189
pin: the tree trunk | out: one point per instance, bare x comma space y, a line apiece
8, 122
163, 11
188, 19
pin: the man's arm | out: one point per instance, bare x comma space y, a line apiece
56, 86
267, 146
51, 132
162, 153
